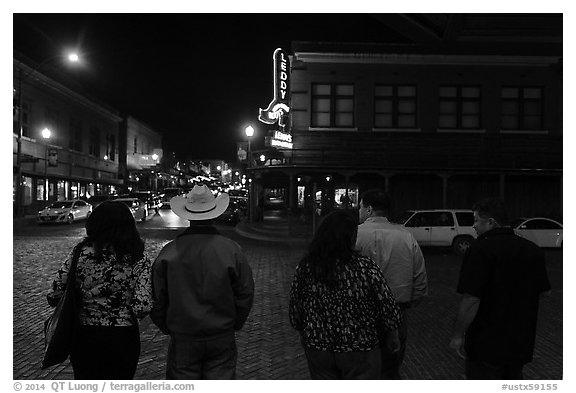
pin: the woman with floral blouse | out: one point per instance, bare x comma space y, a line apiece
340, 303
113, 278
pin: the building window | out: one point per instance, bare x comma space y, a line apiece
112, 147
61, 190
40, 189
94, 141
75, 142
332, 105
26, 111
394, 106
460, 107
27, 190
51, 121
522, 108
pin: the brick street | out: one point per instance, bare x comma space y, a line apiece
268, 347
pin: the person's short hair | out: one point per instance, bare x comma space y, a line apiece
492, 208
378, 199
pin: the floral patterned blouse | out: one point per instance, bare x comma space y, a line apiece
114, 293
347, 317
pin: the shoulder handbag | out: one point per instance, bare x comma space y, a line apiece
61, 327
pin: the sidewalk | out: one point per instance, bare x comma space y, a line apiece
20, 222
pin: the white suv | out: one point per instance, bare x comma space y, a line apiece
445, 227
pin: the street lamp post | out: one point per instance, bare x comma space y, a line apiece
19, 205
249, 133
46, 133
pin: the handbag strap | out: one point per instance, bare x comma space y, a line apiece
74, 262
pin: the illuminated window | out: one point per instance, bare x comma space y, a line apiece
394, 106
27, 190
460, 107
522, 108
332, 105
40, 190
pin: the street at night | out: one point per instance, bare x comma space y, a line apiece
268, 347
370, 132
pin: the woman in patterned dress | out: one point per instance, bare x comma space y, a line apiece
113, 278
341, 304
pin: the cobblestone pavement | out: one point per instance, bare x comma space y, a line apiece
268, 347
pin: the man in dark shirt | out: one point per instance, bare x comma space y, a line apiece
501, 279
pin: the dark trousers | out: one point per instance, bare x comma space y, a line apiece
343, 365
477, 369
194, 358
106, 352
391, 362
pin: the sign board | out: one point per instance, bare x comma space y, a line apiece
52, 157
281, 140
278, 107
241, 150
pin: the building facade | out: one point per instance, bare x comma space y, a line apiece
68, 144
436, 127
140, 166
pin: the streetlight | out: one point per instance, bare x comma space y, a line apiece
249, 133
46, 133
72, 58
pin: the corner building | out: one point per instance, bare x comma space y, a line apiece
437, 126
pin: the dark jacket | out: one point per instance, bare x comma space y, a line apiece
203, 285
508, 274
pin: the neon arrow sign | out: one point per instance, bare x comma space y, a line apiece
279, 105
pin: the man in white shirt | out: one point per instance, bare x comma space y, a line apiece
398, 254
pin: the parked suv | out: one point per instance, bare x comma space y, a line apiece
446, 227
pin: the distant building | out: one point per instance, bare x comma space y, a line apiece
143, 153
472, 109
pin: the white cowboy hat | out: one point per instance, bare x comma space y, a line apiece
199, 204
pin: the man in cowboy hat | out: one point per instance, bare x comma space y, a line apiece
203, 291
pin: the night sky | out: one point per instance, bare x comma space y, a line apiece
198, 79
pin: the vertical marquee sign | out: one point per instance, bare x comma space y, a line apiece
279, 105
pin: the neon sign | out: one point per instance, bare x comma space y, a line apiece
281, 139
279, 106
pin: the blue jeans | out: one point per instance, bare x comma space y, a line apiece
197, 358
343, 365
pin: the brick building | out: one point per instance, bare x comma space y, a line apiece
472, 108
86, 152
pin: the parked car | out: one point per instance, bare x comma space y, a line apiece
65, 212
137, 207
234, 213
98, 199
445, 227
168, 193
541, 231
152, 200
